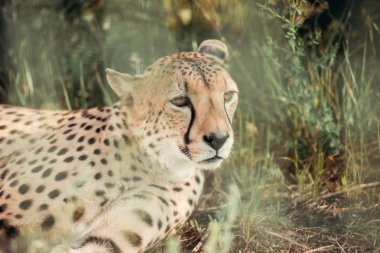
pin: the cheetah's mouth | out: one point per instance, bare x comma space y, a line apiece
213, 159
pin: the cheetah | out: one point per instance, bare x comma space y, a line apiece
118, 178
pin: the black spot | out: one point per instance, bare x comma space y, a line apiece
12, 176
24, 188
82, 157
71, 137
3, 207
136, 178
91, 141
167, 229
38, 150
106, 142
159, 224
97, 151
78, 213
98, 176
68, 159
110, 173
43, 207
134, 239
109, 185
144, 216
126, 139
13, 183
100, 193
103, 161
37, 169
22, 160
62, 151
117, 157
177, 189
54, 193
104, 202
11, 232
48, 222
163, 200
88, 127
80, 139
4, 174
158, 187
60, 176
190, 201
25, 204
197, 179
32, 162
40, 188
18, 216
67, 131
52, 149
47, 173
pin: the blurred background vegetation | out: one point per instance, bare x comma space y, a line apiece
307, 154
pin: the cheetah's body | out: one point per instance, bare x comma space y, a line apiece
108, 179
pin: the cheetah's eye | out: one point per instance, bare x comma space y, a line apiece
228, 96
181, 101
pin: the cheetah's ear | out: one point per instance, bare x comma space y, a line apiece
215, 48
120, 83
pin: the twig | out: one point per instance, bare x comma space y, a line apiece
201, 242
286, 238
354, 188
324, 248
341, 248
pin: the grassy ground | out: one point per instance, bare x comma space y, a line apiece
304, 170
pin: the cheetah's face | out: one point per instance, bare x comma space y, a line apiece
183, 107
202, 109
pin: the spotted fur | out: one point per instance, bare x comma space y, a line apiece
118, 178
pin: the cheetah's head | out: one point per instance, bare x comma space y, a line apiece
182, 107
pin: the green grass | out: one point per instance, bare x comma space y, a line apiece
315, 116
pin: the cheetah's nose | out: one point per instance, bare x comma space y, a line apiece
216, 140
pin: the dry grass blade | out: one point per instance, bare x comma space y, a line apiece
288, 239
321, 249
354, 188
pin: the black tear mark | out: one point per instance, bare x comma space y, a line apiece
187, 134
